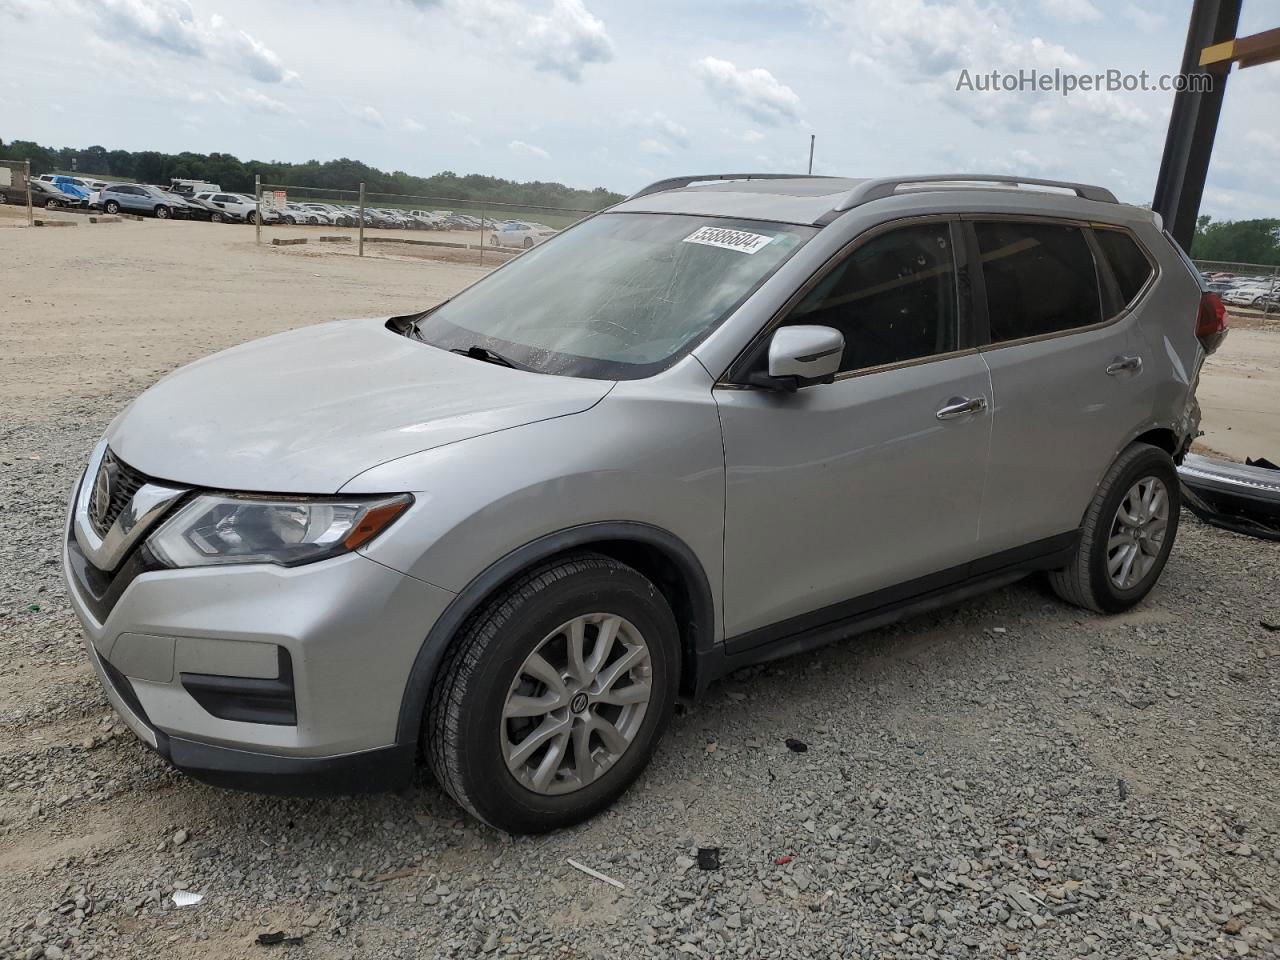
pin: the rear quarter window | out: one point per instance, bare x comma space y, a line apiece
1129, 264
1040, 278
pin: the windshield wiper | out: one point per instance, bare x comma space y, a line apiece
477, 352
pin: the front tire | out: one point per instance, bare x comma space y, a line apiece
553, 697
1127, 534
528, 242
163, 213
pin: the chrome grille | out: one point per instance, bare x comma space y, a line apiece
125, 482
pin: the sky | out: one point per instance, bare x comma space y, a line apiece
617, 93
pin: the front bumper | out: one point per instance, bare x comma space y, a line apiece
348, 630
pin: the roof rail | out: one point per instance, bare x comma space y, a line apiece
677, 183
877, 189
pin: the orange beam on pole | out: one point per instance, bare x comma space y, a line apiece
1246, 51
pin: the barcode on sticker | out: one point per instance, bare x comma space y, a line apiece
738, 240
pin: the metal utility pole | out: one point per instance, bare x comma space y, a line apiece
361, 244
811, 139
482, 234
26, 179
257, 208
1194, 121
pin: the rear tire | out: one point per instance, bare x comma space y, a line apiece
163, 213
111, 207
594, 736
528, 242
1127, 534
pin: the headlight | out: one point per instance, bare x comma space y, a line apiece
215, 528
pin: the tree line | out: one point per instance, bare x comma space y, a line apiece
1237, 241
231, 173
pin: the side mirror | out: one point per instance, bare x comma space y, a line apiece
801, 357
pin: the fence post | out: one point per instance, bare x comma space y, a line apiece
257, 208
361, 252
482, 234
26, 179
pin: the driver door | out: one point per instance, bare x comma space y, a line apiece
838, 491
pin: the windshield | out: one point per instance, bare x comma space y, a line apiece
620, 296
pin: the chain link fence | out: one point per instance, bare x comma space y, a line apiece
15, 185
458, 227
1244, 285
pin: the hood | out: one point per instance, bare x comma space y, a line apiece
305, 411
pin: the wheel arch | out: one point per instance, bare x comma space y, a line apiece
660, 556
1162, 437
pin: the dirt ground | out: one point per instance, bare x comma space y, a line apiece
1012, 737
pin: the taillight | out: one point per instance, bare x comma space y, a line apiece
1211, 321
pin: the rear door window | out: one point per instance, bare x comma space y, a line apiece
1129, 264
1040, 278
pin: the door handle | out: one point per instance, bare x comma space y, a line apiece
1121, 364
961, 406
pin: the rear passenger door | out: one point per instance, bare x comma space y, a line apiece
1066, 361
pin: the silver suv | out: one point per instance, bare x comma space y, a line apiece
729, 419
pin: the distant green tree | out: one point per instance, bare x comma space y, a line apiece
1237, 241
231, 173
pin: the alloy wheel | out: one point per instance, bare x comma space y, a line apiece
1137, 532
576, 703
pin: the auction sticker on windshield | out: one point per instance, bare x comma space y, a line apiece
738, 240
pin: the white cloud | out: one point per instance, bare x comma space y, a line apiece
757, 93
174, 27
369, 115
659, 129
752, 136
410, 125
17, 9
1071, 11
561, 41
1143, 19
654, 147
528, 149
461, 119
259, 101
932, 44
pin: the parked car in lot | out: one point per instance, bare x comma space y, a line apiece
43, 194
204, 209
235, 207
515, 233
717, 424
76, 188
333, 213
297, 213
142, 198
1253, 293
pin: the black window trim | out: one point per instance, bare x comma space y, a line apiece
735, 377
1105, 262
1086, 227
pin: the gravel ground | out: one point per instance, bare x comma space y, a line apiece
1011, 777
